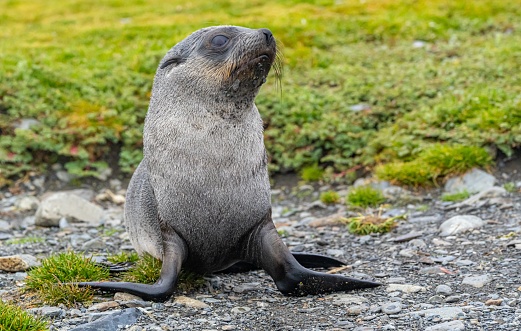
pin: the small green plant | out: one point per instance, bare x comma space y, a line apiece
364, 225
147, 271
433, 163
312, 173
124, 257
329, 197
25, 240
364, 196
53, 280
460, 196
510, 187
13, 318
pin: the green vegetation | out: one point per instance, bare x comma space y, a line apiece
364, 83
52, 280
329, 197
455, 196
148, 269
364, 225
25, 240
510, 187
312, 173
124, 257
433, 163
364, 196
13, 318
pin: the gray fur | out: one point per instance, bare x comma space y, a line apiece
200, 198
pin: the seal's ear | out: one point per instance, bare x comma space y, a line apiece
174, 60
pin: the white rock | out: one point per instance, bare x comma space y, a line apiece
406, 288
459, 224
473, 181
15, 263
70, 206
27, 203
447, 326
189, 302
477, 281
343, 299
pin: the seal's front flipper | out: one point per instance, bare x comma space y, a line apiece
292, 278
175, 254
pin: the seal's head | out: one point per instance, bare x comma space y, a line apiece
217, 68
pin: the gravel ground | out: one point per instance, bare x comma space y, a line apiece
467, 280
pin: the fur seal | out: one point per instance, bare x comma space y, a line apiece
200, 198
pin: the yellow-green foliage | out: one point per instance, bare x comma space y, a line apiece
329, 197
52, 280
147, 271
312, 173
84, 70
13, 318
455, 196
364, 225
124, 257
364, 196
433, 163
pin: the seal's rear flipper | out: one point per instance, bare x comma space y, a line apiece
307, 260
292, 278
175, 254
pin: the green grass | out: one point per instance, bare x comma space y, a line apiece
124, 257
329, 197
13, 318
25, 240
84, 70
364, 196
52, 280
367, 224
433, 163
455, 196
147, 271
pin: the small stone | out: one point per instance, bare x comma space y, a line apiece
103, 306
391, 308
93, 244
246, 287
356, 310
112, 321
436, 299
4, 226
189, 302
70, 206
443, 289
477, 281
335, 252
229, 327
447, 326
51, 312
473, 181
406, 288
493, 302
459, 224
27, 203
443, 312
16, 263
453, 298
346, 299
240, 310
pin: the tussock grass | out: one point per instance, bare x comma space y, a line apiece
433, 164
364, 196
13, 318
367, 224
329, 197
455, 196
52, 281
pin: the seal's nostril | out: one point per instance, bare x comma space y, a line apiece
268, 35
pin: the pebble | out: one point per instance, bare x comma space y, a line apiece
391, 308
189, 302
443, 312
447, 326
473, 181
17, 263
70, 206
459, 224
406, 288
112, 321
477, 281
443, 289
240, 310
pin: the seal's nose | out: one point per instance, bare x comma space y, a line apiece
268, 35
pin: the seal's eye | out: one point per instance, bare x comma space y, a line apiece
219, 40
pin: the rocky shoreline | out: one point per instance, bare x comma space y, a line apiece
447, 266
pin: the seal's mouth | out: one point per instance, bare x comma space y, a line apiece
257, 67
